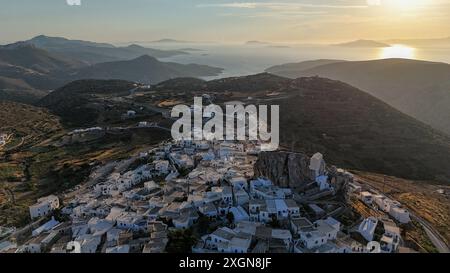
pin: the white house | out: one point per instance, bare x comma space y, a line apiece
182, 160
255, 208
238, 183
118, 249
208, 210
400, 214
393, 208
221, 235
277, 208
330, 227
34, 245
238, 244
239, 214
322, 182
45, 227
227, 195
129, 220
3, 138
293, 208
382, 202
282, 234
241, 197
367, 228
150, 186
182, 221
300, 223
266, 210
88, 243
162, 166
312, 238
44, 206
366, 197
391, 237
317, 165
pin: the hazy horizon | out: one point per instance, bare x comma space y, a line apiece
226, 21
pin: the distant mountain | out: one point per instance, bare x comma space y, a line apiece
363, 43
145, 69
278, 46
438, 42
167, 40
47, 42
256, 43
28, 72
188, 49
29, 56
417, 88
24, 67
350, 127
92, 53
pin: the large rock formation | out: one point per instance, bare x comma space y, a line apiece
294, 170
285, 169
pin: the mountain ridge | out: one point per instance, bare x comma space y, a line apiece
418, 88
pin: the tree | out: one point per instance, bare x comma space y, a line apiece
181, 241
203, 224
274, 223
230, 217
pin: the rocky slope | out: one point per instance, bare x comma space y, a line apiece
286, 169
291, 169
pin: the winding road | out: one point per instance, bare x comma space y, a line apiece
435, 237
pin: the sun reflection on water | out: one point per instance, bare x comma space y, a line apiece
398, 51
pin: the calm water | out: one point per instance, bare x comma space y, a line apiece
238, 60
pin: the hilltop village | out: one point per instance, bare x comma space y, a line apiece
205, 197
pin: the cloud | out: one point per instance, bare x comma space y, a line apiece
374, 2
279, 6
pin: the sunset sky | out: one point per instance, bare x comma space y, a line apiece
300, 21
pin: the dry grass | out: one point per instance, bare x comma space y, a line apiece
420, 197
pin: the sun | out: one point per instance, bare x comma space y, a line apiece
397, 51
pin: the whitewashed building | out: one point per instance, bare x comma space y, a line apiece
44, 206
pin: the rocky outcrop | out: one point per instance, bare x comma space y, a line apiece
285, 169
290, 169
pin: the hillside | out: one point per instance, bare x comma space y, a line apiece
39, 160
31, 57
25, 67
417, 88
292, 70
80, 103
145, 69
350, 127
18, 90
